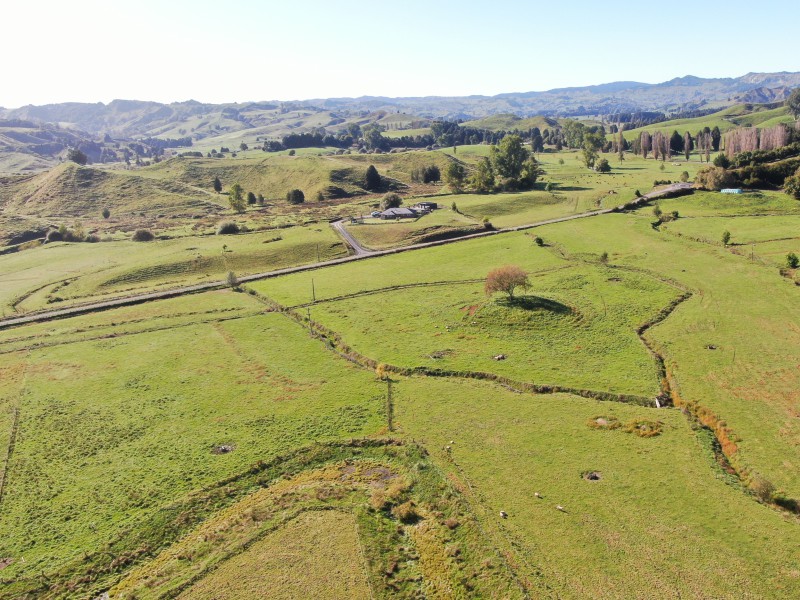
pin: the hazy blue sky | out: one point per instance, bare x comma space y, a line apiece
240, 50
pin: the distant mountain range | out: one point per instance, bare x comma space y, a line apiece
36, 137
140, 118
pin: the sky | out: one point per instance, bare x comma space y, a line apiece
247, 50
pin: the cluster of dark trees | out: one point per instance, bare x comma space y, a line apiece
635, 120
159, 144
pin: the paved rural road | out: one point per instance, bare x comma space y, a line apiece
361, 254
351, 241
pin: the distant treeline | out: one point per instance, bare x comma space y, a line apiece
159, 144
634, 120
443, 134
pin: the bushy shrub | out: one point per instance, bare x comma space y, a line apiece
372, 179
295, 197
406, 513
53, 236
714, 178
227, 228
143, 235
92, 238
722, 161
391, 200
762, 488
791, 185
431, 174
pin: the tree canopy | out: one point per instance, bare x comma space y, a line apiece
391, 200
793, 103
506, 279
295, 197
236, 198
454, 175
509, 156
372, 179
592, 142
77, 156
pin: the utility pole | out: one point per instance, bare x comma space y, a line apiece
389, 404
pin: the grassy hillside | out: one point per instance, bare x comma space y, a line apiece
62, 273
741, 115
510, 122
70, 190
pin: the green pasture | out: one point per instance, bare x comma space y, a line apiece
744, 230
457, 262
662, 521
726, 119
34, 279
398, 133
379, 234
510, 122
574, 328
728, 346
111, 430
716, 204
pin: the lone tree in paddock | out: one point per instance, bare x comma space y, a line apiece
506, 279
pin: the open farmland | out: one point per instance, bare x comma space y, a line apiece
59, 274
384, 428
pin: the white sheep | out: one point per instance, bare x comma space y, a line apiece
503, 514
561, 508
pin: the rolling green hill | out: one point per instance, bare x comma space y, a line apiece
741, 115
510, 122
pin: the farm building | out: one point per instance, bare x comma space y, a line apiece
426, 205
732, 191
399, 213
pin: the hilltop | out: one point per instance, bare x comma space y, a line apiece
132, 117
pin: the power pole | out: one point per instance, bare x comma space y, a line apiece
389, 404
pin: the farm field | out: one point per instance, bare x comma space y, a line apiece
574, 190
165, 412
441, 223
713, 353
317, 553
574, 328
626, 426
768, 237
661, 517
62, 273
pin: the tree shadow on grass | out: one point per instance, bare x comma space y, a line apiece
535, 303
571, 188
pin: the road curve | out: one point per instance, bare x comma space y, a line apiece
361, 254
349, 239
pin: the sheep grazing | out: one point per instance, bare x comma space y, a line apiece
503, 514
537, 494
561, 508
